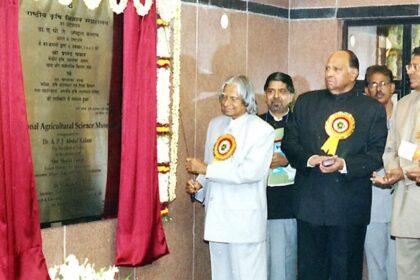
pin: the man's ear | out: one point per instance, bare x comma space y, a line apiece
366, 91
393, 87
354, 73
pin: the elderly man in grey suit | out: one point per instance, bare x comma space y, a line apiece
401, 161
232, 181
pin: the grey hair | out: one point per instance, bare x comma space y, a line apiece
245, 91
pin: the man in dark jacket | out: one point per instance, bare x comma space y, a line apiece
335, 140
281, 225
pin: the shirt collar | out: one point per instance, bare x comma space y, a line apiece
238, 121
344, 95
277, 119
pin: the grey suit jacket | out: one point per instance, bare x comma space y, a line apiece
406, 205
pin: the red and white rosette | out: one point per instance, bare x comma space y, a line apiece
224, 147
338, 126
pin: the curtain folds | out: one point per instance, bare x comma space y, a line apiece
114, 121
140, 235
21, 254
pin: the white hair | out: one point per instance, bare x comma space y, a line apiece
245, 91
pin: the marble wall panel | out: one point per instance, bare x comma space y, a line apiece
313, 41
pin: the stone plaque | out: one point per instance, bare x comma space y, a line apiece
66, 56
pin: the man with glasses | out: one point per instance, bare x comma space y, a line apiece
402, 165
231, 183
335, 140
281, 224
379, 246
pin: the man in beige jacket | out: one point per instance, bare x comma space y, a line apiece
402, 165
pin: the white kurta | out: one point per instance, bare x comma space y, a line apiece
234, 189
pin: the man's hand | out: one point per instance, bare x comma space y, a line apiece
337, 165
195, 166
378, 180
391, 177
278, 160
192, 186
413, 173
317, 160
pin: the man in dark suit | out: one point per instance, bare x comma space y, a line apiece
335, 140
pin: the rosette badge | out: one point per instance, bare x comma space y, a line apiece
338, 126
224, 147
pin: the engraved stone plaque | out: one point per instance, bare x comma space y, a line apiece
66, 56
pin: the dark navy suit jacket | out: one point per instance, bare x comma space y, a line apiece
335, 198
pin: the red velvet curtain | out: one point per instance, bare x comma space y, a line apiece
20, 237
140, 236
114, 121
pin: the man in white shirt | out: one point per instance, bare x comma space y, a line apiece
232, 182
379, 245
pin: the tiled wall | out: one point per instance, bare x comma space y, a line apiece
346, 3
309, 50
294, 36
278, 3
209, 55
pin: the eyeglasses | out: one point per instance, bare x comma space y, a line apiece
223, 97
376, 85
414, 67
281, 91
